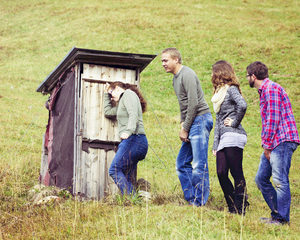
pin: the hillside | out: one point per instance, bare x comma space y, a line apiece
34, 38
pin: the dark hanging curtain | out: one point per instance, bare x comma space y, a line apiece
61, 133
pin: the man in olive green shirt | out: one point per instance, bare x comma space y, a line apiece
196, 124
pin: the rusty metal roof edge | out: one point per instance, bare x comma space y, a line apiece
79, 54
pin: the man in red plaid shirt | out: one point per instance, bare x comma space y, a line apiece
280, 139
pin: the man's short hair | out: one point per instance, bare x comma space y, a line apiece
259, 69
174, 53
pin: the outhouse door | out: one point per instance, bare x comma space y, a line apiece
98, 138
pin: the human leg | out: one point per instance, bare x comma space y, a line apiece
139, 148
280, 162
131, 174
119, 166
184, 170
130, 151
199, 136
234, 156
226, 185
263, 183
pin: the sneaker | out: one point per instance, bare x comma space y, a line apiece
145, 195
273, 221
194, 204
264, 219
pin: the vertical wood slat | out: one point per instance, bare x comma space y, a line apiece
111, 186
77, 142
44, 160
80, 169
95, 175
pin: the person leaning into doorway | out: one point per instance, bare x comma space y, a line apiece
126, 103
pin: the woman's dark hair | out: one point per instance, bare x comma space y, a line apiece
259, 69
133, 88
223, 73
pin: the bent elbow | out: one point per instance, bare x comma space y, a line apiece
110, 116
243, 106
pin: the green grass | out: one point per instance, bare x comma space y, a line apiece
36, 35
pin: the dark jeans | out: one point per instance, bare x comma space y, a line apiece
130, 152
231, 158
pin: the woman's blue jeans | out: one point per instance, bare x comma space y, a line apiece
130, 152
278, 198
191, 163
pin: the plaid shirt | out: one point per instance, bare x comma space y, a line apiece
278, 122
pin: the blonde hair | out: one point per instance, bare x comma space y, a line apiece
223, 73
174, 53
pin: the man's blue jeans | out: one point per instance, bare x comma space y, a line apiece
130, 152
191, 163
278, 198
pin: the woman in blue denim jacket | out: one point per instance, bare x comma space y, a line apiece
126, 103
229, 135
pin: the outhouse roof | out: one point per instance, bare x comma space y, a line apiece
81, 55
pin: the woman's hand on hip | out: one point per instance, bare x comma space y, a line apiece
228, 122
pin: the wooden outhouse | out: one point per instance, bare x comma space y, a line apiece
80, 143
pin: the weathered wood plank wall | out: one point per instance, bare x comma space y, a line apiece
91, 177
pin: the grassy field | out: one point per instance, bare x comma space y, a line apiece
34, 38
